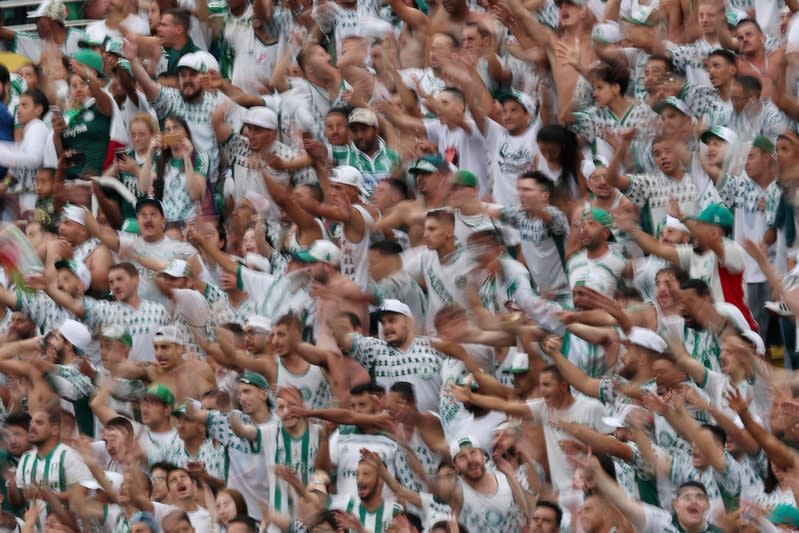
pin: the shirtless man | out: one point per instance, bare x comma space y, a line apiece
576, 21
187, 378
413, 33
432, 180
753, 59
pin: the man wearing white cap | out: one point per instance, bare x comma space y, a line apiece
483, 499
85, 247
191, 102
324, 259
186, 378
256, 151
367, 151
49, 16
400, 357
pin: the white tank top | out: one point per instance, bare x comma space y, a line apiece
495, 512
355, 260
312, 385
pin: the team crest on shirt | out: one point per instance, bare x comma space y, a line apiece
460, 282
88, 116
427, 372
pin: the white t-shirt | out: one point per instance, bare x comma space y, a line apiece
584, 411
508, 157
164, 250
465, 150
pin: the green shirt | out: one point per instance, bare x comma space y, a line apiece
88, 131
173, 55
374, 168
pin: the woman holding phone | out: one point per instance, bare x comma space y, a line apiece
84, 129
178, 175
128, 162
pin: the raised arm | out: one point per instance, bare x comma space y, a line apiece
150, 88
577, 378
104, 234
491, 403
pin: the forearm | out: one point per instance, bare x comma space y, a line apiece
195, 181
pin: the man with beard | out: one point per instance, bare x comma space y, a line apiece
546, 517
367, 151
556, 402
191, 102
483, 499
50, 463
373, 511
402, 356
596, 264
151, 242
256, 152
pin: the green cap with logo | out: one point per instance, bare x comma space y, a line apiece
464, 178
673, 102
602, 217
161, 393
716, 214
255, 379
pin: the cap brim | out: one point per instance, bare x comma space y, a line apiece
516, 370
304, 256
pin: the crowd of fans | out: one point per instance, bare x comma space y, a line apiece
407, 266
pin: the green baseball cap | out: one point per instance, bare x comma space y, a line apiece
180, 411
428, 163
716, 214
604, 218
91, 59
161, 393
255, 379
464, 178
114, 46
764, 144
117, 332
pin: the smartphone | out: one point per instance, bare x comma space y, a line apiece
121, 153
56, 110
172, 139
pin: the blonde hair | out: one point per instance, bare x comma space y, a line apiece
148, 119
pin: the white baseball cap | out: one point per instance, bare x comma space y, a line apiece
262, 117
114, 478
395, 306
177, 268
362, 115
258, 322
519, 364
646, 338
193, 61
74, 213
168, 334
463, 442
674, 223
321, 251
347, 175
607, 33
756, 340
76, 333
210, 61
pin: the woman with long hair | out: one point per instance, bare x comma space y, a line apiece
179, 175
558, 159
